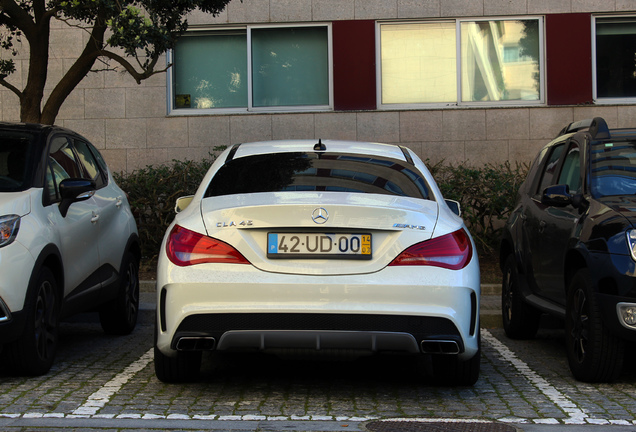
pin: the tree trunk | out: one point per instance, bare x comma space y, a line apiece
33, 92
38, 36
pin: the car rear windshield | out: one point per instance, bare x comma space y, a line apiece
330, 172
15, 160
613, 168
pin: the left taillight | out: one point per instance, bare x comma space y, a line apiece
452, 251
185, 248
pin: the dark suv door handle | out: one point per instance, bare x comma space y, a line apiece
542, 225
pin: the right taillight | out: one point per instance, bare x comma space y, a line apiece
185, 248
452, 251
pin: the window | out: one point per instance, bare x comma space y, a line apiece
91, 167
460, 62
614, 59
62, 165
72, 161
550, 168
299, 172
571, 171
252, 69
613, 168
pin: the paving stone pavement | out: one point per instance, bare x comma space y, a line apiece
100, 378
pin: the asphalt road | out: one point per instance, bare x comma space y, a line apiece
101, 382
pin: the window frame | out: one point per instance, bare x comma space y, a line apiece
606, 100
250, 108
458, 59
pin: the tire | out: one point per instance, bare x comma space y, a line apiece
33, 353
184, 367
119, 316
594, 353
520, 320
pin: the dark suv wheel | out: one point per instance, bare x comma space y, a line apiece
594, 354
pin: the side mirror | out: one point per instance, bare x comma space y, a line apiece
74, 190
454, 206
182, 203
557, 196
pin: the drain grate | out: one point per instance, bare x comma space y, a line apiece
424, 426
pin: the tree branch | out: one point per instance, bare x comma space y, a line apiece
138, 76
14, 89
19, 17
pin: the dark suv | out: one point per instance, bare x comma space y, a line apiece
569, 247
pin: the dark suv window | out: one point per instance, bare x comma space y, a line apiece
551, 166
613, 168
571, 171
285, 172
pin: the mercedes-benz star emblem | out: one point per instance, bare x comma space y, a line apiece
320, 215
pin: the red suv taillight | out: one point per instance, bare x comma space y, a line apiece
452, 251
185, 247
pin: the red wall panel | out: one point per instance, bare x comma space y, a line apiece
354, 65
569, 59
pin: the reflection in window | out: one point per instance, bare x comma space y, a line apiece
613, 169
210, 71
550, 168
499, 61
290, 67
286, 172
62, 154
89, 163
486, 76
571, 171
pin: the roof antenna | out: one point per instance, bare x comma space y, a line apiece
320, 146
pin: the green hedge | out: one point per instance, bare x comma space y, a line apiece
486, 194
152, 192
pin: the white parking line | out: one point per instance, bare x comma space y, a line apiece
576, 415
101, 397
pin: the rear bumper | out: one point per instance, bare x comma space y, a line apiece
225, 307
372, 333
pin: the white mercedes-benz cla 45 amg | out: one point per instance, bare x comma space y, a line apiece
318, 246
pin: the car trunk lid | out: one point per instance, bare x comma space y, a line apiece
251, 222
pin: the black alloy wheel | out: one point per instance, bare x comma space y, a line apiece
34, 352
594, 353
119, 316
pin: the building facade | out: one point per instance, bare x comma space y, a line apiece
472, 81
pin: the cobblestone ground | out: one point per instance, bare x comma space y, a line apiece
98, 376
